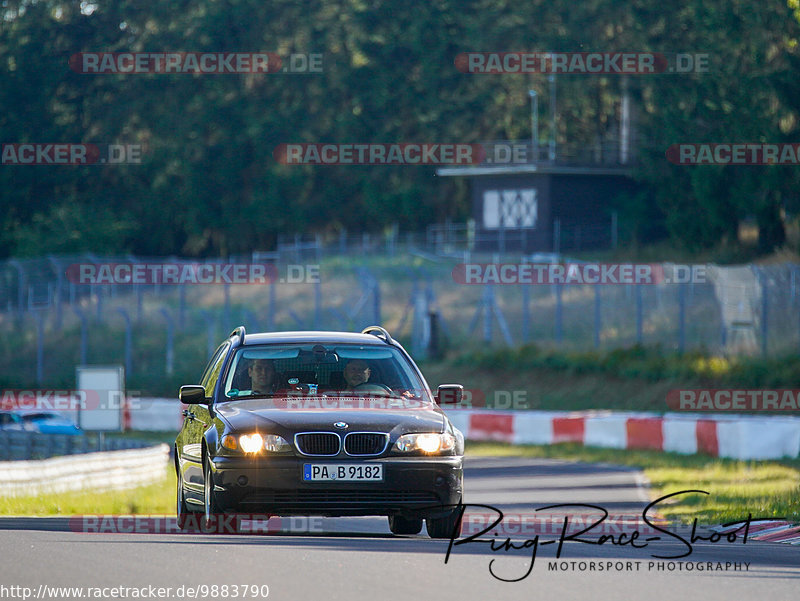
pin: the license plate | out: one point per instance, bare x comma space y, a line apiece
342, 472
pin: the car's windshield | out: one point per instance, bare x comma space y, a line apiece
332, 369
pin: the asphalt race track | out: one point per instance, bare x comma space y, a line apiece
357, 558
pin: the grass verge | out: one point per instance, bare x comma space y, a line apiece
736, 488
763, 488
158, 498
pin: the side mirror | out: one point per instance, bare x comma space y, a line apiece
192, 395
449, 394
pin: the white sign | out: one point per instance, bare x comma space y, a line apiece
104, 393
510, 208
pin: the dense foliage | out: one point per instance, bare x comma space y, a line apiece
209, 183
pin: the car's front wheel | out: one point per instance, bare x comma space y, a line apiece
448, 526
184, 515
401, 525
211, 512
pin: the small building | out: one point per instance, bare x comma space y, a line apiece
545, 206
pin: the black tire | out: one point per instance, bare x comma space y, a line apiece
401, 525
444, 527
211, 512
186, 519
213, 520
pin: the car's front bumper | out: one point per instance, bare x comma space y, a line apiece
411, 487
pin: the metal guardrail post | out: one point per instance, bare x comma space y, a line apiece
210, 334
226, 311
764, 315
376, 301
20, 284
639, 313
40, 350
84, 334
182, 306
597, 317
559, 329
317, 304
128, 342
170, 339
681, 317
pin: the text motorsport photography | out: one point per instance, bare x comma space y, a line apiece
645, 535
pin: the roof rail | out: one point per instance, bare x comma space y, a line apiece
240, 332
381, 333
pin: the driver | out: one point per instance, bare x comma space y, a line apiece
356, 372
263, 379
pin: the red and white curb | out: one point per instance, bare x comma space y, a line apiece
733, 436
773, 532
729, 435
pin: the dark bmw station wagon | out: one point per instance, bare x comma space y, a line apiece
322, 424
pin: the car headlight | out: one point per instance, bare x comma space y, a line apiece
428, 442
274, 443
255, 443
251, 443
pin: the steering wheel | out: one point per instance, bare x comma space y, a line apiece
372, 387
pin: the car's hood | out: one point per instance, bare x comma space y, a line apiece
263, 415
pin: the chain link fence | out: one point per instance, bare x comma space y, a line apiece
49, 323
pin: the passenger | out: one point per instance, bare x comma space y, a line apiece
263, 379
356, 372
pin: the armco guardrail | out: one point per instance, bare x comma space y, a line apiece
16, 444
734, 436
112, 470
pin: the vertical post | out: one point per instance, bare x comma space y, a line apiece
419, 326
534, 125
170, 340
488, 292
764, 316
614, 230
39, 350
552, 153
639, 313
317, 303
20, 285
559, 315
556, 235
597, 317
526, 316
59, 308
182, 306
271, 308
99, 293
128, 342
376, 301
227, 306
625, 125
209, 332
84, 335
723, 334
681, 317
